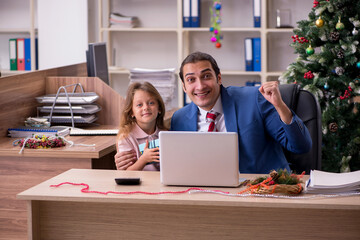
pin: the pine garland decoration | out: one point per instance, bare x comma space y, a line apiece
280, 181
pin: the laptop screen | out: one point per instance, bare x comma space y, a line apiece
199, 158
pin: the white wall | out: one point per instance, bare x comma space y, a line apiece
62, 32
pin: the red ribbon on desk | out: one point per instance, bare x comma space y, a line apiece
200, 190
87, 187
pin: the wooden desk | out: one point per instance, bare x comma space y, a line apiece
104, 145
67, 213
33, 166
20, 171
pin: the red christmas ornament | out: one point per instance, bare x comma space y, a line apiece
315, 3
218, 45
309, 75
300, 40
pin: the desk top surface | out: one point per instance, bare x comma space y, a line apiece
103, 181
103, 146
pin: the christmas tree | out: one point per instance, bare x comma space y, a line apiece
328, 65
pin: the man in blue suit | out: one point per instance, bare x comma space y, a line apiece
260, 117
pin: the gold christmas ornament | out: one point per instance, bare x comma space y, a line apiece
340, 25
319, 23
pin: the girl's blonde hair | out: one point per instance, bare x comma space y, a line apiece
127, 121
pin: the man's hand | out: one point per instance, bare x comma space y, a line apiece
123, 160
270, 91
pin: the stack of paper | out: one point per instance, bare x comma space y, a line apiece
84, 119
121, 21
77, 109
92, 132
333, 183
162, 79
74, 98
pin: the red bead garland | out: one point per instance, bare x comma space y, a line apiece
347, 93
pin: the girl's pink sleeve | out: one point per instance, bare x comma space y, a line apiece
125, 145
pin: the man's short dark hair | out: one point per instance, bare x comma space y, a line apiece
197, 57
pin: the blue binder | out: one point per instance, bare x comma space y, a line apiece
248, 55
27, 47
27, 54
195, 13
257, 13
186, 13
256, 44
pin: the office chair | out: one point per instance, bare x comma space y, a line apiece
305, 105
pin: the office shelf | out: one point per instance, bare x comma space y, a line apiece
17, 20
139, 47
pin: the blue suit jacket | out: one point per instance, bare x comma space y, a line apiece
260, 130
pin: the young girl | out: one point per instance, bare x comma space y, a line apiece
140, 123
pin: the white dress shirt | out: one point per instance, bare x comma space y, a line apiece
203, 124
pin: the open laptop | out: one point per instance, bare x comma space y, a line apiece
199, 158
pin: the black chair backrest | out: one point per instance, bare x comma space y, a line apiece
305, 105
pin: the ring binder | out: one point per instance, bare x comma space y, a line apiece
23, 132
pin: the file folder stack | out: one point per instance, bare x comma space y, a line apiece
162, 79
121, 21
20, 54
191, 13
253, 54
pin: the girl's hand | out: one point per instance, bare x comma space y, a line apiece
150, 155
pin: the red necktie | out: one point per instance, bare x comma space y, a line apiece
210, 117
